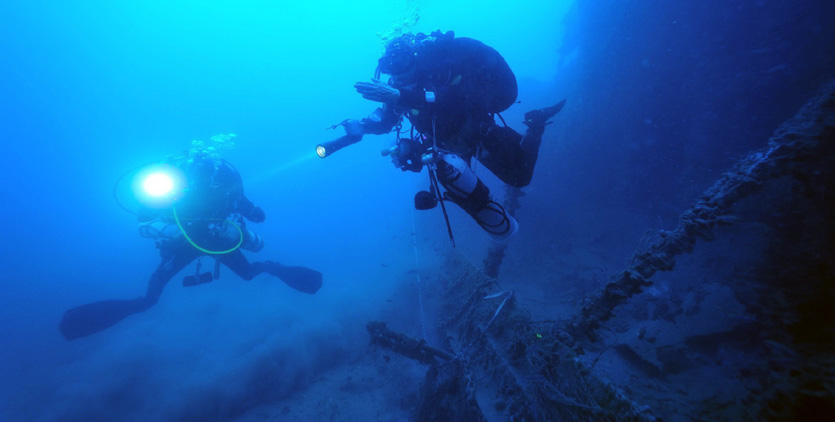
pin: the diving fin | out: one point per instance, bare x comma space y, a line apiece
89, 319
539, 118
302, 279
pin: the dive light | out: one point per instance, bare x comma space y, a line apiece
158, 184
325, 149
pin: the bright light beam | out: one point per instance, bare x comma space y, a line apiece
158, 184
284, 167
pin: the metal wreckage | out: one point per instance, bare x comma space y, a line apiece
495, 349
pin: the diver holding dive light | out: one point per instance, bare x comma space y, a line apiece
450, 90
205, 218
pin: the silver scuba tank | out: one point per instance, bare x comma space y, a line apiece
463, 183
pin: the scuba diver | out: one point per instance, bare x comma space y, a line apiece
205, 218
450, 89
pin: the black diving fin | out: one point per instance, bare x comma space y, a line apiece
302, 279
89, 319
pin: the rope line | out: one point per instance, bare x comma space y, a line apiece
419, 281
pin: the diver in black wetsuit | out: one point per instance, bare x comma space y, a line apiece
207, 219
450, 89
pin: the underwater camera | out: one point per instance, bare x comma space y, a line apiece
408, 155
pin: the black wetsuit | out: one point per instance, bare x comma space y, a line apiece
212, 197
214, 194
470, 82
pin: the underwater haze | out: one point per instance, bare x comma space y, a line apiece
662, 99
94, 89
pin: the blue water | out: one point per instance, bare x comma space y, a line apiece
657, 109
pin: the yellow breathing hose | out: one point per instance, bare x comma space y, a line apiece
233, 249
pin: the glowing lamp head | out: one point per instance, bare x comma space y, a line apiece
158, 185
321, 151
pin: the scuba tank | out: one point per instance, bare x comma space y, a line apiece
472, 195
158, 229
252, 241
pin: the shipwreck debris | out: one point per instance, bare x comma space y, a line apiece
405, 345
807, 138
502, 357
501, 365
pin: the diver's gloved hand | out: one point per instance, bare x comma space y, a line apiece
353, 127
377, 91
257, 215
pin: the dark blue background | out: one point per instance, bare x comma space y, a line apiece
662, 98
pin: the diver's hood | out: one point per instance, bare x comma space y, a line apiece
401, 53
